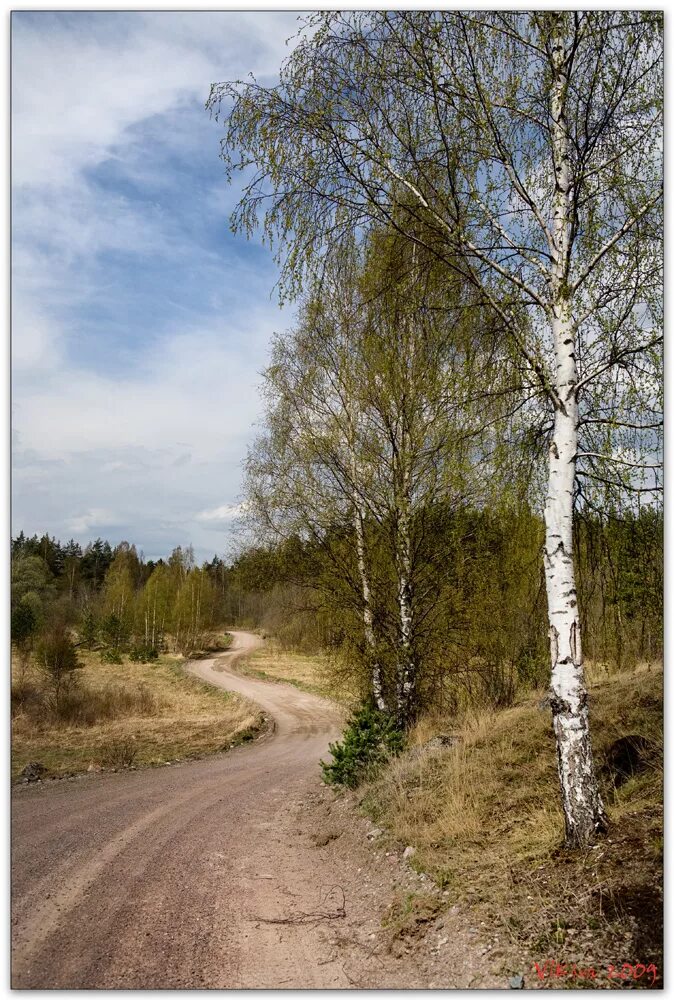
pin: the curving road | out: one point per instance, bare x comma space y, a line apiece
173, 877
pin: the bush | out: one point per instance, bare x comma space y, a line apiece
115, 632
27, 697
111, 656
23, 624
88, 629
143, 654
84, 706
369, 740
118, 754
56, 657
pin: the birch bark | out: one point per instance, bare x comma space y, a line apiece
408, 673
359, 526
583, 808
368, 626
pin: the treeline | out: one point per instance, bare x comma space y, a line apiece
482, 612
481, 616
110, 599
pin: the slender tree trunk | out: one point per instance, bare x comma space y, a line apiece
359, 525
407, 672
583, 809
198, 618
370, 640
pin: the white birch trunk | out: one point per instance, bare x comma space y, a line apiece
359, 525
407, 678
370, 640
583, 808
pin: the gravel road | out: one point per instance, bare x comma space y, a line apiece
179, 876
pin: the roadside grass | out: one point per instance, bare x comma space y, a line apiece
214, 644
309, 673
125, 715
487, 826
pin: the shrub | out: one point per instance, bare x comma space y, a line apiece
27, 697
118, 753
85, 706
369, 740
115, 631
23, 624
88, 629
143, 654
111, 656
56, 657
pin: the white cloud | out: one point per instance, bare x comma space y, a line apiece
226, 512
195, 389
141, 453
80, 83
93, 519
133, 449
35, 341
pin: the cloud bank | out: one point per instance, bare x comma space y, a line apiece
139, 322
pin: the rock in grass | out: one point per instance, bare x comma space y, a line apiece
34, 771
516, 983
408, 853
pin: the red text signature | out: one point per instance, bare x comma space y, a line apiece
552, 969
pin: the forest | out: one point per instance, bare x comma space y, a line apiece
108, 598
469, 646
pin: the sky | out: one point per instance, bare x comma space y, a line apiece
140, 323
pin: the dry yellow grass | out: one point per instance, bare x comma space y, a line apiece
485, 818
138, 713
597, 671
313, 673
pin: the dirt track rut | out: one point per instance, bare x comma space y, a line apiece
158, 878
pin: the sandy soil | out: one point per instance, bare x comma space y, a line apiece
237, 871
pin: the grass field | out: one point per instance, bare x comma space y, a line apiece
485, 819
132, 714
310, 673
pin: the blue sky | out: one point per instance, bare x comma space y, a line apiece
140, 324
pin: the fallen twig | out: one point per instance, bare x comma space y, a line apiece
313, 916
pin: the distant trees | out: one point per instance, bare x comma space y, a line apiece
523, 150
95, 562
32, 584
66, 563
481, 635
620, 558
109, 599
479, 614
24, 626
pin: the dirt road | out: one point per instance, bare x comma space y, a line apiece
152, 878
231, 872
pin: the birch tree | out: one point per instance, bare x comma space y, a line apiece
523, 149
306, 473
369, 426
425, 357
